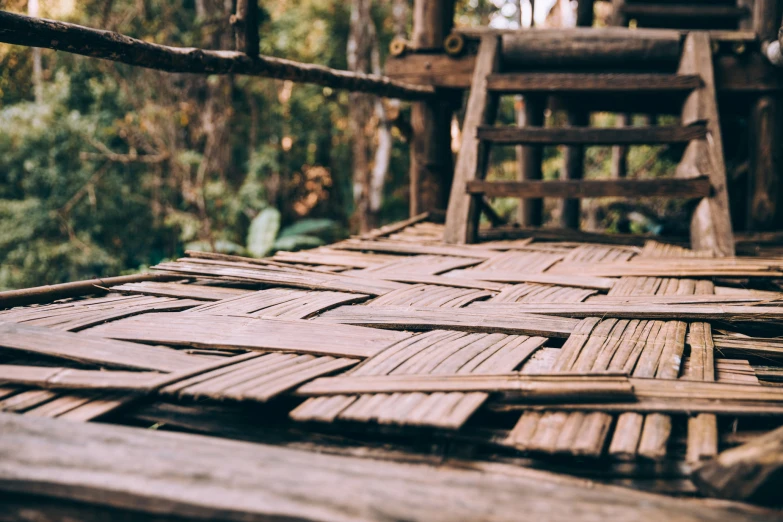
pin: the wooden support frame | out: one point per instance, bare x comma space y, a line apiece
711, 227
462, 215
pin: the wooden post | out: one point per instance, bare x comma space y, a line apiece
620, 152
765, 205
765, 179
246, 25
529, 158
573, 169
584, 13
431, 159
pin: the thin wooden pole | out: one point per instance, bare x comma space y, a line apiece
574, 165
530, 114
246, 24
431, 159
42, 294
38, 32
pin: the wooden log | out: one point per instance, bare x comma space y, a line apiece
208, 478
593, 135
42, 294
750, 73
431, 160
38, 32
602, 48
751, 472
629, 188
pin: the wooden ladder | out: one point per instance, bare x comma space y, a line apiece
701, 173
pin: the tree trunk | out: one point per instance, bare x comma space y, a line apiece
366, 191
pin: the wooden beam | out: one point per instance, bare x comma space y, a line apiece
561, 83
461, 217
431, 160
208, 478
711, 222
750, 73
631, 188
38, 32
593, 135
671, 11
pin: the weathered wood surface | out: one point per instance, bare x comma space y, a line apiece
234, 333
593, 188
93, 349
468, 320
122, 468
38, 32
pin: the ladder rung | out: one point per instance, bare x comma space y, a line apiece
579, 82
684, 11
592, 135
685, 188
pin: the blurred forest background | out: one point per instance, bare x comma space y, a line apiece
106, 169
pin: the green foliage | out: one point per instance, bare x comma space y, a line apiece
263, 231
297, 242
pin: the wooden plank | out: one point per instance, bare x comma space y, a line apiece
250, 334
612, 387
760, 314
94, 350
562, 83
69, 378
592, 135
461, 216
179, 290
463, 319
629, 188
398, 247
511, 276
208, 478
663, 267
711, 223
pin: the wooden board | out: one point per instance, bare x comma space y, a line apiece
211, 478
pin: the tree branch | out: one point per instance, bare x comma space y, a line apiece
39, 32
